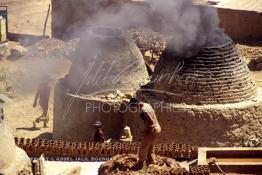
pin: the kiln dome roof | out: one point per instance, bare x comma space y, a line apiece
217, 75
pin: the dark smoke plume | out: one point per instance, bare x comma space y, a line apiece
187, 27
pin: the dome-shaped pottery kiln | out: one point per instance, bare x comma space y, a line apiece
216, 75
105, 60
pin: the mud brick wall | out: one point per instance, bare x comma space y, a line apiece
212, 125
240, 24
74, 117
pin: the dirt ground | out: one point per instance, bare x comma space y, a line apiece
24, 76
27, 17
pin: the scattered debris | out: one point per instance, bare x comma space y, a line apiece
250, 52
116, 95
18, 51
110, 96
3, 49
150, 43
129, 95
120, 94
147, 39
255, 64
252, 142
50, 47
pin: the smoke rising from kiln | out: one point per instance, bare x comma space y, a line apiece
186, 27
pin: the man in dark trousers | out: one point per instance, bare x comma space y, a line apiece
151, 132
43, 93
99, 133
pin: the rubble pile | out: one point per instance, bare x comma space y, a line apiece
117, 95
3, 50
127, 164
252, 55
250, 52
50, 47
149, 43
18, 51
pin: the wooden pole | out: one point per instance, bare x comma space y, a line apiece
46, 19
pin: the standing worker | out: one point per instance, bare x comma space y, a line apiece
151, 132
99, 133
43, 93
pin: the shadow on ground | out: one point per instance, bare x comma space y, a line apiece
28, 129
45, 135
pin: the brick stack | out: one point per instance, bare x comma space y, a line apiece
57, 148
199, 170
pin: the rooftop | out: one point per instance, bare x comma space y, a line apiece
249, 5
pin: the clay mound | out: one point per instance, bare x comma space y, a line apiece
217, 75
127, 164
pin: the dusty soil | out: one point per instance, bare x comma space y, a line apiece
23, 77
28, 16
